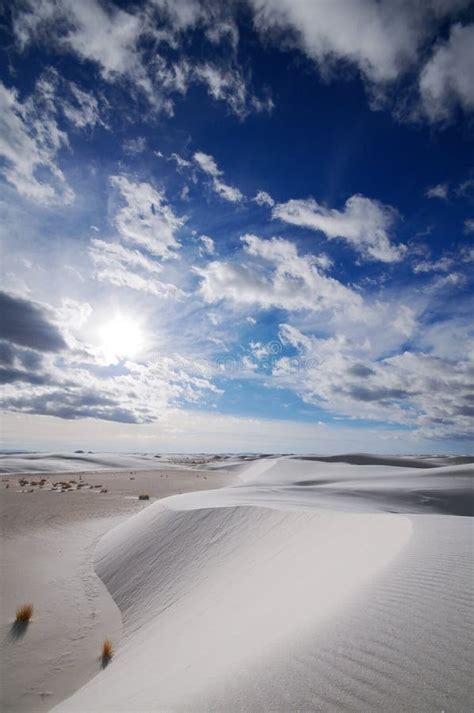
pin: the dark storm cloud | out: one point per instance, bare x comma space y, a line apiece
7, 355
362, 393
31, 360
74, 405
25, 323
466, 411
360, 370
9, 376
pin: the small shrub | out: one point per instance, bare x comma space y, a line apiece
24, 613
144, 497
107, 650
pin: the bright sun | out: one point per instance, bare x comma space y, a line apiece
121, 338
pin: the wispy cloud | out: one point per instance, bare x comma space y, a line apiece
441, 190
208, 164
29, 143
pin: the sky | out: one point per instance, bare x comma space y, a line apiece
237, 226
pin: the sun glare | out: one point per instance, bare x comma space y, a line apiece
121, 338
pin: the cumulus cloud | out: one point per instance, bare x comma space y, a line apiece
145, 219
277, 277
208, 164
428, 392
469, 225
364, 223
384, 40
446, 80
26, 323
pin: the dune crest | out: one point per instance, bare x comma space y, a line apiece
207, 592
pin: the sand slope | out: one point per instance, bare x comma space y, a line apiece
49, 538
302, 587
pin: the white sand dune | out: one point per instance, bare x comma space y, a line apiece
306, 586
80, 461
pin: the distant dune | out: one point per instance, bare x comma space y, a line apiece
82, 461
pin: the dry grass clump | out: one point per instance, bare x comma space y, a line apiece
24, 613
107, 650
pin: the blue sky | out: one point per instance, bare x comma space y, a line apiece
237, 226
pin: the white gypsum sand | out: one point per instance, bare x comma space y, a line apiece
306, 586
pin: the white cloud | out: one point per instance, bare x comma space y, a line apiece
83, 110
134, 147
382, 39
425, 391
29, 143
264, 198
454, 279
442, 265
126, 44
180, 161
439, 191
102, 251
108, 36
55, 95
446, 80
385, 40
228, 193
228, 85
208, 164
469, 225
277, 277
146, 219
364, 223
197, 431
208, 244
123, 267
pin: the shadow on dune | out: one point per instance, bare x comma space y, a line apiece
18, 630
367, 459
460, 503
397, 500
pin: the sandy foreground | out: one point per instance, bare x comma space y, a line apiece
268, 584
47, 557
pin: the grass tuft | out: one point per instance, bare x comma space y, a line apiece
24, 613
107, 650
